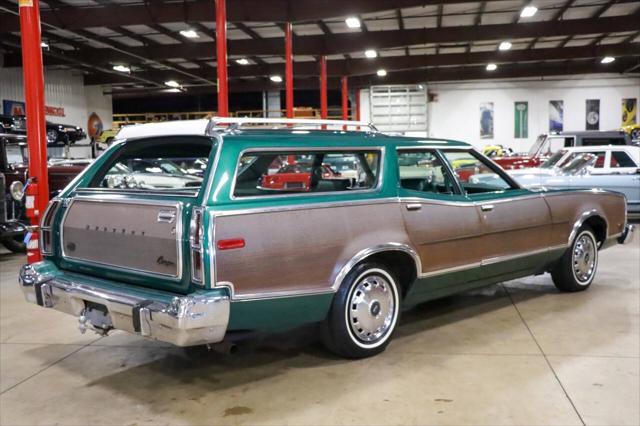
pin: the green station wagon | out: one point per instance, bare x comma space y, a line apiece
190, 232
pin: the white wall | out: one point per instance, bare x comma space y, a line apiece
62, 89
456, 113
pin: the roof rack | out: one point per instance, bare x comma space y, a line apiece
231, 124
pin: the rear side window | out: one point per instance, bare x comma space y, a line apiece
621, 159
299, 172
158, 164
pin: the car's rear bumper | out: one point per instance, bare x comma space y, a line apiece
628, 234
195, 319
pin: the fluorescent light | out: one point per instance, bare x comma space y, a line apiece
189, 34
174, 90
242, 61
492, 67
607, 60
370, 53
505, 45
528, 11
45, 45
122, 68
276, 79
381, 72
352, 22
172, 83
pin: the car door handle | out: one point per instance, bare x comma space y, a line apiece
486, 207
414, 206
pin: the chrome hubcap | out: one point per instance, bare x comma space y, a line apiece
584, 258
372, 308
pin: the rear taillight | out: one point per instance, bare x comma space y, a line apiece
196, 231
46, 235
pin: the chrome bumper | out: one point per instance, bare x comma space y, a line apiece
628, 234
185, 321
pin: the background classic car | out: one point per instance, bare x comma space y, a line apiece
191, 265
548, 144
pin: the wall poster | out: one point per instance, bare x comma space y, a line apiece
486, 120
556, 116
10, 107
593, 114
629, 111
521, 124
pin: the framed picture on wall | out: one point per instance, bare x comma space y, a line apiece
556, 116
629, 111
593, 114
486, 120
521, 120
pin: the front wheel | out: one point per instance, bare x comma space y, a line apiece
364, 312
577, 268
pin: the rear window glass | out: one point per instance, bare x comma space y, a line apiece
160, 164
291, 172
621, 159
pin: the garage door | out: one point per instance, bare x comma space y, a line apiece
399, 108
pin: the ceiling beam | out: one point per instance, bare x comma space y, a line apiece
157, 12
356, 42
356, 67
411, 77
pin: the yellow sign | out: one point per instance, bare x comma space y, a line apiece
25, 3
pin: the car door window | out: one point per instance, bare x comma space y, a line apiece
424, 171
476, 174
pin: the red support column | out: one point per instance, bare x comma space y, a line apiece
38, 191
345, 98
357, 104
221, 52
288, 54
323, 88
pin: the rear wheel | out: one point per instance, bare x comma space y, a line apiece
364, 312
635, 134
577, 268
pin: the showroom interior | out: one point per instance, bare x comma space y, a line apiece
321, 129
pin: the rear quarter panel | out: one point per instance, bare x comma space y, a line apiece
569, 208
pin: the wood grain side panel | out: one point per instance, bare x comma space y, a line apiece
301, 250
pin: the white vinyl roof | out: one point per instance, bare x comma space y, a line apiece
167, 128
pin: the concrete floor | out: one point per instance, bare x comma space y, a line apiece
518, 353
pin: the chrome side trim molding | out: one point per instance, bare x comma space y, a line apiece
506, 258
450, 270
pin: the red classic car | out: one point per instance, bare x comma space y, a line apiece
546, 145
294, 177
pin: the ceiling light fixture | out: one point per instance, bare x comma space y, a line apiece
122, 68
370, 53
352, 22
44, 45
242, 61
528, 11
381, 72
492, 67
172, 83
276, 79
505, 45
607, 60
189, 33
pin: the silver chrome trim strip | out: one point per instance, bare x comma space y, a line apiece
376, 188
363, 254
179, 231
583, 218
450, 270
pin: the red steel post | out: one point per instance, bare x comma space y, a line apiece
38, 192
288, 54
323, 87
221, 52
345, 99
